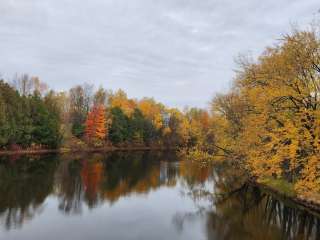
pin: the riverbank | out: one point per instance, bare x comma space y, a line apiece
70, 150
309, 204
280, 188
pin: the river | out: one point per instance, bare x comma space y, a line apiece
139, 196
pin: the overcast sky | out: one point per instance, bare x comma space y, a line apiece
180, 52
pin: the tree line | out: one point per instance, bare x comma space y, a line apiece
34, 116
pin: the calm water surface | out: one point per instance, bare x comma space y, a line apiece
141, 196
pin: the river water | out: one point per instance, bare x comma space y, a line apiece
139, 196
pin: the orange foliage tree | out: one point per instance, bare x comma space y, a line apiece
96, 123
100, 123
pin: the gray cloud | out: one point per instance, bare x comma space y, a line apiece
179, 51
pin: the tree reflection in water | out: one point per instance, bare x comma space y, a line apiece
92, 180
69, 187
247, 213
25, 182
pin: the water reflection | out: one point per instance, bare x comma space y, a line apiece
24, 185
101, 179
197, 202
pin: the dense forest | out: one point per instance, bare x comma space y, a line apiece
28, 119
35, 117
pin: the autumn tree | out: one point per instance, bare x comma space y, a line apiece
271, 117
96, 124
100, 123
120, 99
152, 111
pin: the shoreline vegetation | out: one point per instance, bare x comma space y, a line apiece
34, 118
310, 205
267, 125
277, 187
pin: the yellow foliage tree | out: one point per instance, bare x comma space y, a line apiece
271, 117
